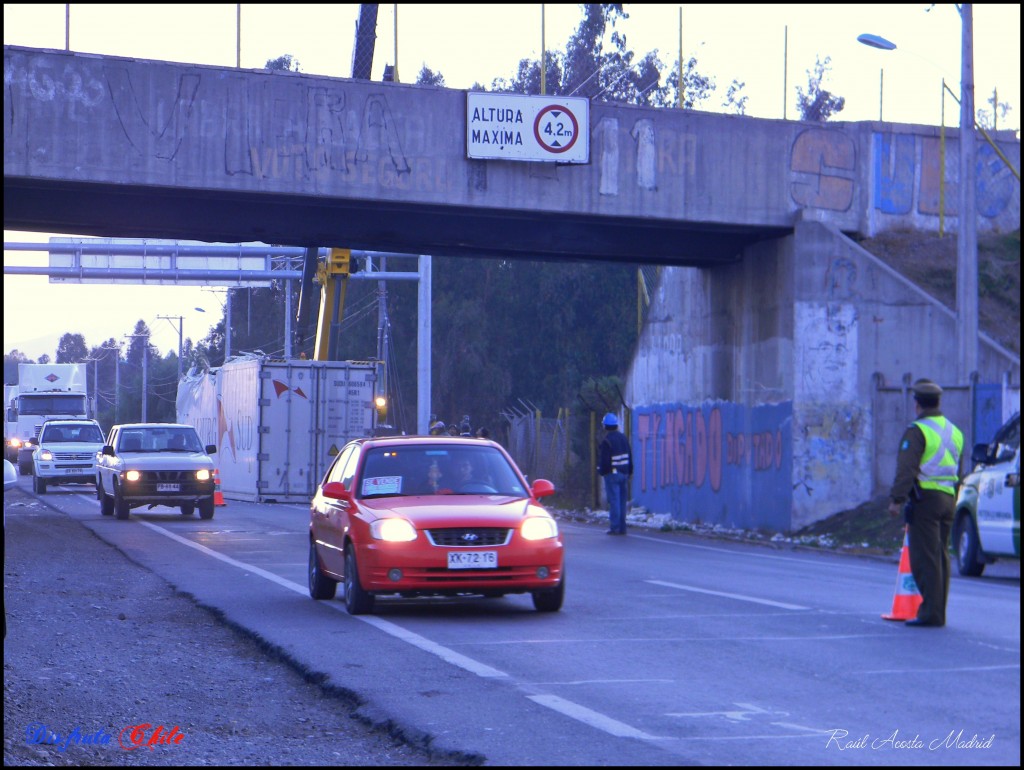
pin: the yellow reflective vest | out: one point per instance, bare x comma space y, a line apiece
940, 463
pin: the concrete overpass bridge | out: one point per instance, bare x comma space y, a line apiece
102, 145
772, 311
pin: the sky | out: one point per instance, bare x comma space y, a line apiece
770, 48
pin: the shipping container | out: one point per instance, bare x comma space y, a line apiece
278, 424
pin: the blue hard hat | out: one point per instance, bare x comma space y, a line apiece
610, 420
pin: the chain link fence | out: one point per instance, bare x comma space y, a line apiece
562, 449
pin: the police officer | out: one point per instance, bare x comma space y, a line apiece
927, 474
615, 464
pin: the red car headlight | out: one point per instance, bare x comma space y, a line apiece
538, 528
393, 530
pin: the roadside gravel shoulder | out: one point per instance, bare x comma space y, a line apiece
95, 643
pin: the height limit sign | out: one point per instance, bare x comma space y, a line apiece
531, 128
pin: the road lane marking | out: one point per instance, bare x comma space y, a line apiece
739, 597
1007, 667
592, 718
445, 653
387, 627
561, 705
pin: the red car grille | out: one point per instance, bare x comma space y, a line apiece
474, 537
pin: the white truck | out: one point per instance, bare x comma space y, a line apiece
45, 392
278, 425
10, 393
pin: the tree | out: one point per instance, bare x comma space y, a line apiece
817, 104
11, 361
283, 63
733, 101
989, 119
428, 77
71, 349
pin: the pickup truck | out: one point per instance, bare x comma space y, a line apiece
65, 453
987, 523
155, 464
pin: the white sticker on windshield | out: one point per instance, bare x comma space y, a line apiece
382, 485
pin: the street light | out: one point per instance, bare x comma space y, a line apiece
877, 41
967, 232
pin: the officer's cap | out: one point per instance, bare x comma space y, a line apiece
925, 387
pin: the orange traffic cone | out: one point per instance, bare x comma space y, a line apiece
218, 496
907, 598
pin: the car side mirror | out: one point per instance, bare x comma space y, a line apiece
1006, 453
108, 450
542, 488
211, 449
335, 490
979, 454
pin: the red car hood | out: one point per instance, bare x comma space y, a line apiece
454, 510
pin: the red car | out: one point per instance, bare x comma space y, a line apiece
432, 516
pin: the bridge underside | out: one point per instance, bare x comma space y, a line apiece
130, 211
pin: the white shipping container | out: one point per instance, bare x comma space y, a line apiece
279, 424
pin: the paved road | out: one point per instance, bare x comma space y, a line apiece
670, 649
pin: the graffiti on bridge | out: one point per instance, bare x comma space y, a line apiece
898, 185
718, 458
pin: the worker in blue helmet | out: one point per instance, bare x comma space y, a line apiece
615, 464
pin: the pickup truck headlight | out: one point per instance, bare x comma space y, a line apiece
203, 475
45, 455
132, 475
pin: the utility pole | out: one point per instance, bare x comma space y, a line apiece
382, 332
178, 328
967, 234
117, 384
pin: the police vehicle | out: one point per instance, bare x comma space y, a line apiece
987, 524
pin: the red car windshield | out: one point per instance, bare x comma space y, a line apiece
437, 469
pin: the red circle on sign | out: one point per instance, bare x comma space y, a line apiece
536, 128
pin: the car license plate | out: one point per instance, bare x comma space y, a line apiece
71, 471
472, 559
168, 487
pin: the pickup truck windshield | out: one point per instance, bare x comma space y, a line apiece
88, 434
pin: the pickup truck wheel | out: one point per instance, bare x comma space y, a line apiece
320, 586
206, 508
106, 501
187, 509
121, 508
38, 485
968, 549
